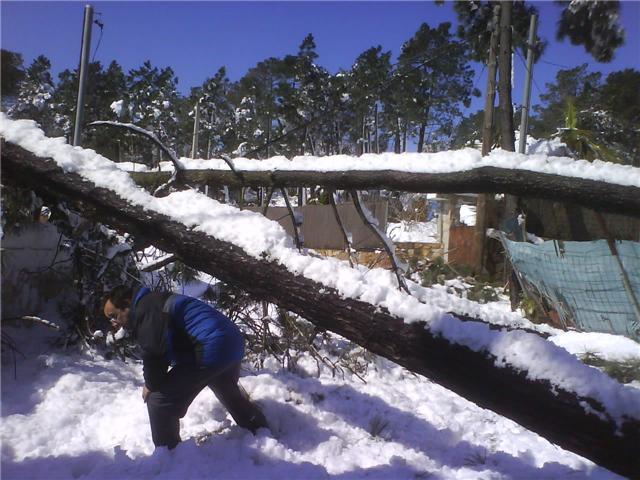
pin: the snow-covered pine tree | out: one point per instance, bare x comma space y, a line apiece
103, 88
35, 93
150, 102
593, 24
12, 72
369, 74
438, 81
216, 114
256, 99
315, 99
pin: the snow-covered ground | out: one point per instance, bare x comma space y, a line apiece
422, 232
78, 415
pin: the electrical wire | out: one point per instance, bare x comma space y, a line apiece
101, 26
532, 77
555, 64
475, 84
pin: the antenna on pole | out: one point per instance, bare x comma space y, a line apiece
84, 67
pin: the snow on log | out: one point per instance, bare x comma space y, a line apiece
599, 185
515, 374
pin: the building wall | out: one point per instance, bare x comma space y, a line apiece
34, 269
320, 229
556, 220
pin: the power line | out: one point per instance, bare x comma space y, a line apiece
555, 64
101, 26
479, 77
532, 77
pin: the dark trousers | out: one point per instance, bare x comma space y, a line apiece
169, 404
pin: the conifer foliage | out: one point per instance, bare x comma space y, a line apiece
35, 93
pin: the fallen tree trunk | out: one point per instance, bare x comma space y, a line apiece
554, 413
599, 195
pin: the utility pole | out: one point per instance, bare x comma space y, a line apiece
209, 139
485, 204
526, 101
196, 130
84, 67
376, 121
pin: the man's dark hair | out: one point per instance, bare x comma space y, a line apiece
121, 296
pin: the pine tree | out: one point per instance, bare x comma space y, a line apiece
103, 88
593, 24
339, 114
369, 74
468, 132
12, 73
216, 114
576, 84
35, 93
255, 98
475, 17
438, 80
150, 101
620, 99
312, 96
608, 111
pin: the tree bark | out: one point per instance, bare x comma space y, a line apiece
490, 95
554, 413
507, 139
421, 132
595, 194
485, 205
405, 130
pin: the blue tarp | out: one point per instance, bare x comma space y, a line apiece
584, 282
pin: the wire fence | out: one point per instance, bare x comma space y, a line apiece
588, 286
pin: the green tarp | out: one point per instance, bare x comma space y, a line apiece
584, 282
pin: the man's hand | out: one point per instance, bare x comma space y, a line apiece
145, 393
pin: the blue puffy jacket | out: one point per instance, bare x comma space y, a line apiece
176, 329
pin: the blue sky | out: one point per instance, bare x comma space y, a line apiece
196, 38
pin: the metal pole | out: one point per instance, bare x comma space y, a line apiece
84, 68
377, 140
526, 102
209, 141
196, 129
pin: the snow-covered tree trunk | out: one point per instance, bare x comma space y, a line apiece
577, 423
598, 195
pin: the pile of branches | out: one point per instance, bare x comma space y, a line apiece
272, 333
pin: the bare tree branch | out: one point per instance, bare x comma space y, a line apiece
347, 243
402, 284
176, 178
292, 215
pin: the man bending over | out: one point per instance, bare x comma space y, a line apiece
186, 345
